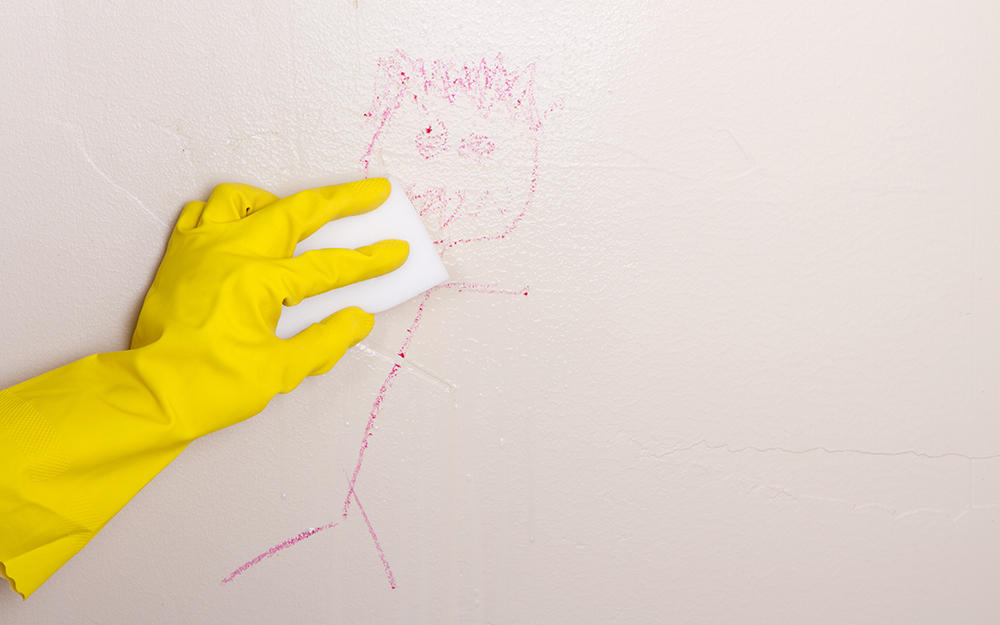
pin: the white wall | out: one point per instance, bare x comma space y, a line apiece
755, 376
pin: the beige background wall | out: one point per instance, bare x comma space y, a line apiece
755, 375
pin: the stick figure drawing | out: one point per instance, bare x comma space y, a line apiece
470, 134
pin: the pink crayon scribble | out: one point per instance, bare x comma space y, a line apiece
275, 549
438, 205
477, 148
489, 289
379, 399
432, 140
515, 222
489, 85
371, 531
492, 88
387, 383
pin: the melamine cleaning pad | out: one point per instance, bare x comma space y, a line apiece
394, 219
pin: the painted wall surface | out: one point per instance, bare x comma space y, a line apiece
722, 343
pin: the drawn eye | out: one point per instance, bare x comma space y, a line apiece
432, 139
476, 147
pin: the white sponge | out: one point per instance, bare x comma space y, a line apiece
394, 219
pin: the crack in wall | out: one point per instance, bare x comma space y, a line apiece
78, 134
893, 511
704, 443
875, 495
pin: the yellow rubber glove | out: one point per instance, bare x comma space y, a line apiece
77, 443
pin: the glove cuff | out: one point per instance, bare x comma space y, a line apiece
76, 444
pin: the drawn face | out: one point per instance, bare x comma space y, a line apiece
467, 136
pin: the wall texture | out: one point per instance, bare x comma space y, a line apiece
722, 345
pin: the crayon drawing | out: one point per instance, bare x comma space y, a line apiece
470, 134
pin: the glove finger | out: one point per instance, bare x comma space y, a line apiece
316, 349
318, 271
190, 215
295, 217
232, 201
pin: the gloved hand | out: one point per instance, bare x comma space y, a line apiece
78, 442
